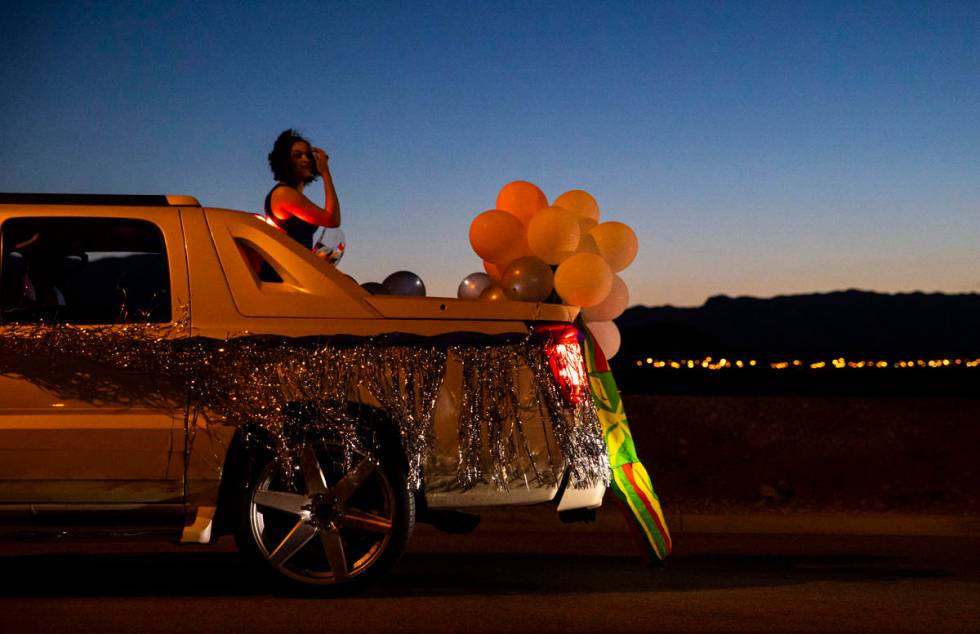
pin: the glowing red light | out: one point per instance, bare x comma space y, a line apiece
567, 363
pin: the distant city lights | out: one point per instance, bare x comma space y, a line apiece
838, 363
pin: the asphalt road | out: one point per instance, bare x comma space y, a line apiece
535, 577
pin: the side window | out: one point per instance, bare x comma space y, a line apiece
83, 271
257, 263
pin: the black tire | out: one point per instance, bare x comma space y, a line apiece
339, 524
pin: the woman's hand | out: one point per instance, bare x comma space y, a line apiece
321, 160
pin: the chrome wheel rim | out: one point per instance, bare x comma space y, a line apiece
328, 525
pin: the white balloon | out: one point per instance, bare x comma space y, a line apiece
617, 243
584, 206
606, 336
553, 234
613, 306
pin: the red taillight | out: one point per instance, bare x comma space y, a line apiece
567, 364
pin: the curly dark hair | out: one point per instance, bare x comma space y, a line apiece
280, 158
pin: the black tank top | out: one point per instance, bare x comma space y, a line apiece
296, 228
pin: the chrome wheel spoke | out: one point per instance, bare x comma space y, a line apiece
362, 520
333, 546
281, 501
353, 480
312, 474
293, 542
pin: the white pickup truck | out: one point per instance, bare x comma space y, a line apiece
174, 371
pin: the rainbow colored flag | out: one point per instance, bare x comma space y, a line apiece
630, 481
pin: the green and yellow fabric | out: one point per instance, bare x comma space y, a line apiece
630, 482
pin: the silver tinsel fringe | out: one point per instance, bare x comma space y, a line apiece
294, 390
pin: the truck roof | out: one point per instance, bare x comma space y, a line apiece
124, 200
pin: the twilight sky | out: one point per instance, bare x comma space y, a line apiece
756, 148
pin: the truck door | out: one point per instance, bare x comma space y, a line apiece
77, 426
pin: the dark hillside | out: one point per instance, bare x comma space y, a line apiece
855, 325
848, 323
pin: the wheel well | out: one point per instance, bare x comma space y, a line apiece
248, 450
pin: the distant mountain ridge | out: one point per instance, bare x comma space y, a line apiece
852, 323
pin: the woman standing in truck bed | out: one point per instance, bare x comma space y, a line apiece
295, 164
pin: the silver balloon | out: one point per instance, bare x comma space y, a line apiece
375, 288
472, 285
528, 280
404, 283
331, 244
493, 293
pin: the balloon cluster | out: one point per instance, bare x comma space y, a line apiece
534, 252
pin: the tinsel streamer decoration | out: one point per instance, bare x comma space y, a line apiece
405, 381
492, 445
297, 390
630, 484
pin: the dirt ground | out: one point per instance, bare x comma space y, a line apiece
732, 453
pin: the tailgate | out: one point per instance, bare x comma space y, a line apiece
407, 307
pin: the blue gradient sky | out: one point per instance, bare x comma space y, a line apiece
756, 148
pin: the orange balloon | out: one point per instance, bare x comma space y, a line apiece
553, 234
587, 244
584, 279
522, 199
584, 206
519, 249
494, 233
617, 243
492, 270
